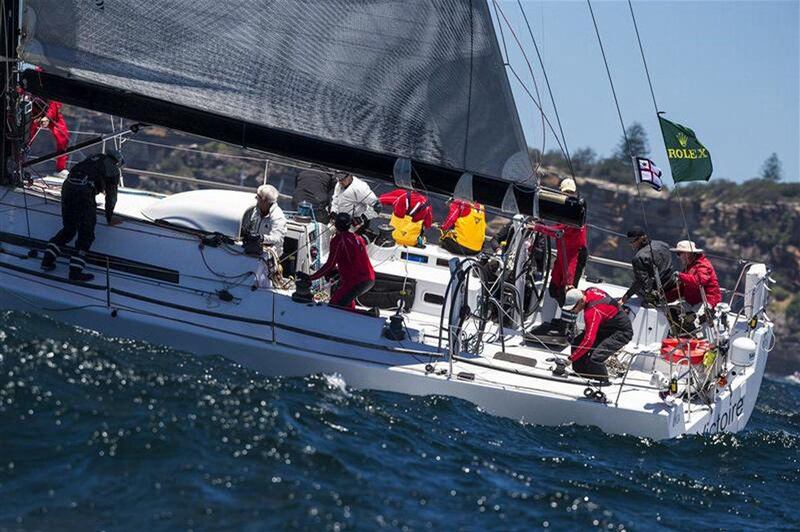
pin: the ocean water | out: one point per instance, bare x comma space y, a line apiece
100, 433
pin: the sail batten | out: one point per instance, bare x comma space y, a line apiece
422, 80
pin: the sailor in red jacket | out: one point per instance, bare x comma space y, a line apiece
47, 115
464, 229
697, 272
348, 255
409, 202
607, 330
571, 253
411, 215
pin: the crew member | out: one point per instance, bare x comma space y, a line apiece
354, 197
316, 188
502, 237
697, 273
464, 229
411, 215
348, 255
267, 227
98, 174
53, 120
651, 256
607, 330
571, 253
47, 115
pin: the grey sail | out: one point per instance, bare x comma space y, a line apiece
417, 79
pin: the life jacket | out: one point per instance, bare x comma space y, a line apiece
605, 300
406, 230
613, 316
471, 229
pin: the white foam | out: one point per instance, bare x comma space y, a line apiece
336, 382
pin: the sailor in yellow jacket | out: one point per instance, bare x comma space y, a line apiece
411, 215
464, 229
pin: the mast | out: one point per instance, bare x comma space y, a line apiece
9, 36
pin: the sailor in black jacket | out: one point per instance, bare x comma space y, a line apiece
99, 173
317, 189
651, 256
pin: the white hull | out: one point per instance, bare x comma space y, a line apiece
268, 332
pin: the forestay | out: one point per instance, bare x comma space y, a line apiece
416, 79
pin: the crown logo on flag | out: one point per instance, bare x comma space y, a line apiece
683, 140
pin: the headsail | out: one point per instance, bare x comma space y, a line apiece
422, 80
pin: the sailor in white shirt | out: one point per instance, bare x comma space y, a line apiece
269, 222
353, 196
268, 219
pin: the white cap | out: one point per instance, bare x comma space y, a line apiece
572, 297
686, 246
567, 185
267, 192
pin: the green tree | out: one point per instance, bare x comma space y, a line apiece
614, 170
793, 311
552, 158
555, 158
637, 140
772, 171
583, 160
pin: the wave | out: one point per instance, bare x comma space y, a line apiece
110, 433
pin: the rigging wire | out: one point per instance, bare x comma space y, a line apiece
9, 71
522, 83
619, 112
611, 82
539, 97
502, 35
644, 61
655, 107
686, 226
272, 159
536, 103
507, 63
630, 152
549, 90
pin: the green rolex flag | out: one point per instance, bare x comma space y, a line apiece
688, 159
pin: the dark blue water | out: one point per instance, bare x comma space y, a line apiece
97, 433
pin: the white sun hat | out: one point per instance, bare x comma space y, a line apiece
686, 246
568, 185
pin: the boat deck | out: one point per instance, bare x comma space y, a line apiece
429, 267
265, 330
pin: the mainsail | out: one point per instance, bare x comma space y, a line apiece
419, 79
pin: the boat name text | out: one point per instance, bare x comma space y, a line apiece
734, 412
